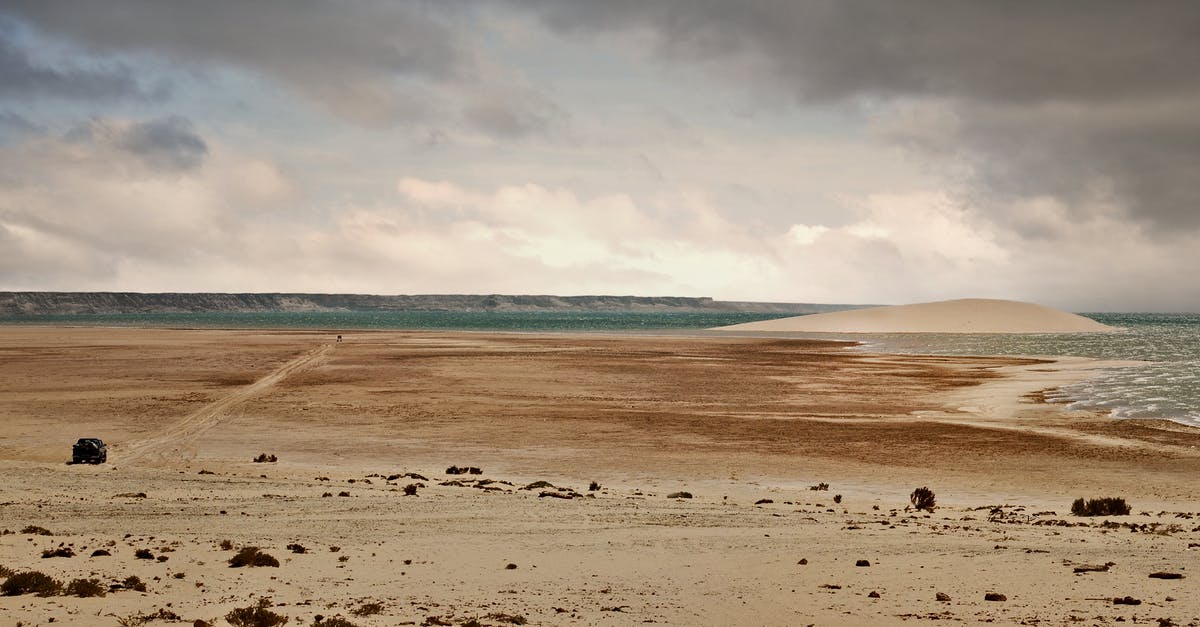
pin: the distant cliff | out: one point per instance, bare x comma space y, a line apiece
44, 303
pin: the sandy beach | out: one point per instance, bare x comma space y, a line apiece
745, 426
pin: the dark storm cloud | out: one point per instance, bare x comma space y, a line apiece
374, 62
1084, 100
165, 144
22, 78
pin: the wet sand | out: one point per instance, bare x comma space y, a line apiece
732, 421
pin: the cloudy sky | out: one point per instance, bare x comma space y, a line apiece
811, 151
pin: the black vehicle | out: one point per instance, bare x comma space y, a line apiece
89, 450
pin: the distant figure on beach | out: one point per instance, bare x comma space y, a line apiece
339, 338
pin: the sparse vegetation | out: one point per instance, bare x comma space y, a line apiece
85, 588
265, 458
837, 498
135, 583
410, 489
333, 621
297, 548
1100, 507
820, 487
226, 545
62, 551
680, 495
923, 498
368, 609
30, 582
512, 619
252, 556
143, 554
37, 531
593, 486
257, 615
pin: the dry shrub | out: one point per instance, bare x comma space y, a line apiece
36, 530
252, 556
820, 487
297, 548
226, 545
135, 583
333, 621
593, 486
30, 582
410, 489
62, 551
680, 495
513, 619
265, 458
1108, 506
256, 615
368, 609
923, 498
143, 554
85, 588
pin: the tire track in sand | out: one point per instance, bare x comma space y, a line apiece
178, 436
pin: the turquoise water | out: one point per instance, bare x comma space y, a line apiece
1167, 387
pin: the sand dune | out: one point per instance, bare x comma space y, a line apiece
970, 315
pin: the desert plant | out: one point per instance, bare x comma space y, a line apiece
923, 498
680, 495
36, 530
264, 458
85, 588
135, 583
226, 545
30, 582
256, 615
512, 619
6, 572
837, 498
410, 489
297, 548
593, 486
143, 554
252, 556
333, 621
368, 609
1108, 506
820, 487
62, 551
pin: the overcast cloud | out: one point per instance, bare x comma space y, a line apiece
830, 151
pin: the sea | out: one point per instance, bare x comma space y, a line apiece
1166, 386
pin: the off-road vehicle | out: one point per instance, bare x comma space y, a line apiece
89, 450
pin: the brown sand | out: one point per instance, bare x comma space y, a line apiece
968, 315
730, 420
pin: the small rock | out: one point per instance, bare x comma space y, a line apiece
803, 561
873, 595
680, 495
510, 567
1166, 575
994, 596
1127, 600
863, 563
943, 597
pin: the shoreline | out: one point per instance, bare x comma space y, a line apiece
747, 427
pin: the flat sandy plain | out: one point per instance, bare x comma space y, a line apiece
745, 425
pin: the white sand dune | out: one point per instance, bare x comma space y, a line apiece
970, 315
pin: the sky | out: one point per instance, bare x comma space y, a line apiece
830, 151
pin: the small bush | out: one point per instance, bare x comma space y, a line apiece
410, 489
100, 553
512, 619
30, 582
297, 548
335, 621
265, 458
680, 495
252, 556
923, 498
143, 554
226, 545
135, 583
1100, 507
837, 498
37, 531
6, 572
62, 551
256, 615
85, 588
820, 487
593, 486
368, 609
